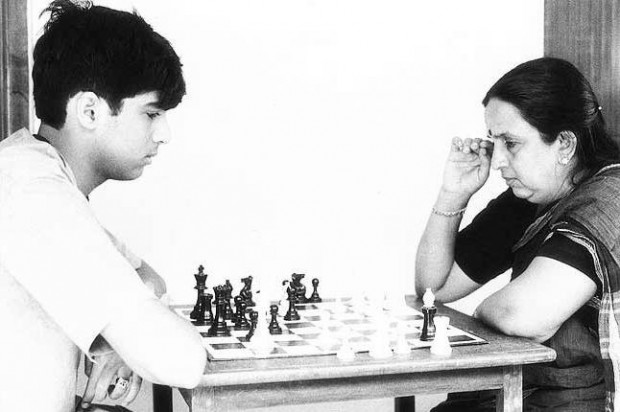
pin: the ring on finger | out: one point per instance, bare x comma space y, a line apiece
122, 382
120, 387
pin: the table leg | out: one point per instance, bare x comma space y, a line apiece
202, 399
404, 404
510, 397
162, 398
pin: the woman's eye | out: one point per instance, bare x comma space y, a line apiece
153, 115
510, 145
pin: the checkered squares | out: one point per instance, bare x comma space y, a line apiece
324, 327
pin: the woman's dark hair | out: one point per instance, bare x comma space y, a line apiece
113, 53
553, 96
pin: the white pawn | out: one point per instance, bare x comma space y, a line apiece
262, 341
380, 342
402, 346
283, 303
441, 344
397, 303
325, 338
346, 352
324, 320
339, 306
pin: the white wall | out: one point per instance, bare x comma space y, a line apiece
313, 134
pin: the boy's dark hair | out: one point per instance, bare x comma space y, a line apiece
112, 53
553, 96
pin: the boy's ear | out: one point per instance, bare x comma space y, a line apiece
89, 109
568, 144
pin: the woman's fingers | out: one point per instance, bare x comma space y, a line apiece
469, 145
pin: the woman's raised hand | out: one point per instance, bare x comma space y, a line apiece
467, 167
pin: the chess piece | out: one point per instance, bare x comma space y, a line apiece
228, 314
201, 280
346, 352
299, 287
253, 322
380, 341
237, 312
441, 344
219, 326
274, 328
241, 322
246, 291
315, 298
208, 315
205, 315
199, 309
291, 313
284, 297
395, 302
262, 342
402, 346
428, 310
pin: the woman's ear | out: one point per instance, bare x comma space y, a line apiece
567, 146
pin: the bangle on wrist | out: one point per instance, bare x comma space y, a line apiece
454, 213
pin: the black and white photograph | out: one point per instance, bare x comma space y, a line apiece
309, 205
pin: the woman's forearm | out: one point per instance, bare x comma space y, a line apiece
435, 255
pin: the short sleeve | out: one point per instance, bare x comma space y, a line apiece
483, 249
563, 249
52, 244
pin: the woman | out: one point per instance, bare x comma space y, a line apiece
557, 227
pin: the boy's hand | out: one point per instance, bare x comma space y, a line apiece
109, 377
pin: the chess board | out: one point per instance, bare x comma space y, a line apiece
324, 326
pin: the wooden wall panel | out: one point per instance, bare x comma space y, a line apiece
14, 85
587, 33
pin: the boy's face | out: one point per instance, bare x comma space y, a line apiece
130, 139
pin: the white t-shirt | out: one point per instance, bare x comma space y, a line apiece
62, 277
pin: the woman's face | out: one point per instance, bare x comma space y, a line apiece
530, 167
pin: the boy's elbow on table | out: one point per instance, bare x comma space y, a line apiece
188, 370
183, 367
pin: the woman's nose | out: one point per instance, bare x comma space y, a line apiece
498, 160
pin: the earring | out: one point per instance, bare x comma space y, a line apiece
564, 161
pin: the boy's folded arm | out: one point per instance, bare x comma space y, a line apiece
157, 344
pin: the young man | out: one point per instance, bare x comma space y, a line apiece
103, 81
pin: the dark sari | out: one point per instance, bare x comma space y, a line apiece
587, 370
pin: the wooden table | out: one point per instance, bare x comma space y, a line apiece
243, 384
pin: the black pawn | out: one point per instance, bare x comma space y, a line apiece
254, 321
241, 323
201, 280
208, 316
228, 314
219, 326
315, 298
237, 301
291, 313
274, 328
